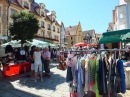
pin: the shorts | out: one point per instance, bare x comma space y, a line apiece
38, 66
32, 66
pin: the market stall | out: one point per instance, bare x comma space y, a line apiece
118, 37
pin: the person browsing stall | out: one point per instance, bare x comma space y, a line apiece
46, 56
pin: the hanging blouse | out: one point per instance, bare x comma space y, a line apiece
91, 73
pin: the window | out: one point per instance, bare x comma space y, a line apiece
58, 30
0, 27
49, 35
53, 19
49, 27
42, 13
53, 28
0, 11
13, 11
42, 7
56, 37
42, 24
121, 15
71, 38
61, 29
25, 4
43, 33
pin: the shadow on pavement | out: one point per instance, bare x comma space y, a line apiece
7, 89
18, 85
47, 83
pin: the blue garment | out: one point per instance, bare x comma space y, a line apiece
69, 77
79, 82
122, 75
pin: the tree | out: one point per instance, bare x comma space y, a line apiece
24, 27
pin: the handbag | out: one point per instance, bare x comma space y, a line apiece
50, 61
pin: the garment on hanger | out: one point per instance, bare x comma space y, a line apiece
102, 81
91, 73
120, 68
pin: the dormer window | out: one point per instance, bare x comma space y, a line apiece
42, 7
58, 30
42, 13
26, 5
53, 19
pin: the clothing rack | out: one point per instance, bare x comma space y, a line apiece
100, 50
97, 50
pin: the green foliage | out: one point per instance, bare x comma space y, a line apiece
24, 27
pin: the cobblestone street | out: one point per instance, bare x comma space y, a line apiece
20, 86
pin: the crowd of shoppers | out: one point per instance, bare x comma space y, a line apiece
39, 59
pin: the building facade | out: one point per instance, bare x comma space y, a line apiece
74, 35
120, 17
49, 27
63, 39
90, 36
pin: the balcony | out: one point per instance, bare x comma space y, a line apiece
0, 18
42, 15
49, 28
42, 27
26, 7
46, 38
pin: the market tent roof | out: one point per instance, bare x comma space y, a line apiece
38, 43
14, 43
115, 36
53, 46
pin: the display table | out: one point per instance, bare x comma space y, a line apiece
16, 69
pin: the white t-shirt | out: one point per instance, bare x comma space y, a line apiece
58, 53
22, 52
37, 58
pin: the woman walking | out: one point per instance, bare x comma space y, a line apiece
38, 63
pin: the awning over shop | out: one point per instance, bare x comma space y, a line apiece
126, 36
115, 36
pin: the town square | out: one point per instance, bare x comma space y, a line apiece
76, 48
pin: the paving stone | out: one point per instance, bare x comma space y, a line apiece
26, 95
2, 92
18, 93
7, 95
56, 95
59, 91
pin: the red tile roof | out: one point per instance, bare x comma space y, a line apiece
34, 5
71, 30
16, 3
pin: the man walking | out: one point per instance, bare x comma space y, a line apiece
46, 56
32, 60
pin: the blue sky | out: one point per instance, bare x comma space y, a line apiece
92, 14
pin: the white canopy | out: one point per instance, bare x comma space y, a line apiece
13, 43
35, 42
38, 43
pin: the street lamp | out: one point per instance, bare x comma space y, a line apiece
9, 2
